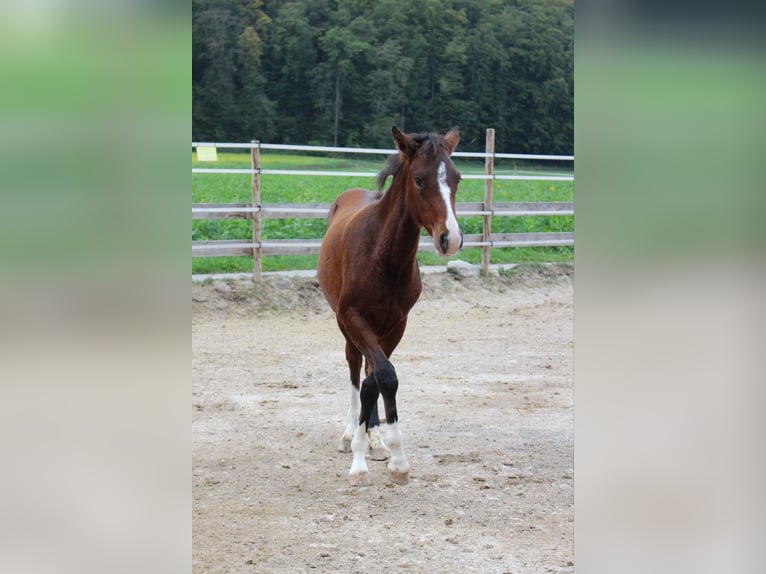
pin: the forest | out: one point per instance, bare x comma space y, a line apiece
342, 72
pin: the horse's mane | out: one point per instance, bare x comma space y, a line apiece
429, 145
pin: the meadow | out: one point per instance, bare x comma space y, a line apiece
235, 188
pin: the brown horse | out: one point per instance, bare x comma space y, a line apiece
370, 276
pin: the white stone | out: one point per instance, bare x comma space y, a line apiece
463, 269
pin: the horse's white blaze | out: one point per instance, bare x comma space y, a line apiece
452, 226
398, 462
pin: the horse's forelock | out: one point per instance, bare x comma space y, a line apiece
429, 144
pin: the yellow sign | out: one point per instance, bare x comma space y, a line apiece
206, 153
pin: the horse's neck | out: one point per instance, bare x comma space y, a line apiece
399, 234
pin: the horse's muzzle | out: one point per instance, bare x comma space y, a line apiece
448, 244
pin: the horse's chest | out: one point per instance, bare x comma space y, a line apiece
392, 307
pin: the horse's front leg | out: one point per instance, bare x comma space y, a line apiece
377, 449
359, 474
383, 381
380, 375
388, 383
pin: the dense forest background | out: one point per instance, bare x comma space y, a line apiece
342, 72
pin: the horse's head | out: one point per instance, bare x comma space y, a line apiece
431, 181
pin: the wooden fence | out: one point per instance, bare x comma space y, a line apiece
257, 247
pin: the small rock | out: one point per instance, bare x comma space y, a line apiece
463, 269
281, 282
221, 287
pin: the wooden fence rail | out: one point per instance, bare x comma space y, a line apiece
257, 248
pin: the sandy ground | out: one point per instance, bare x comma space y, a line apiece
486, 411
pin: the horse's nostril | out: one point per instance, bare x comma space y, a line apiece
444, 242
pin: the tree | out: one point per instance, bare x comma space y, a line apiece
256, 110
229, 100
290, 57
387, 91
344, 71
214, 109
342, 48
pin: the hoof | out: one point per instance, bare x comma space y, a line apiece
380, 453
400, 478
344, 445
359, 479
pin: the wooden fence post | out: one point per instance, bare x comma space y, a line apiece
489, 165
255, 164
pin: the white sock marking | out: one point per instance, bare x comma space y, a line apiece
398, 462
359, 448
374, 438
354, 408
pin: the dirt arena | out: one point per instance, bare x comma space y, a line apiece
486, 412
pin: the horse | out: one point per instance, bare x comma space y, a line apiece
369, 274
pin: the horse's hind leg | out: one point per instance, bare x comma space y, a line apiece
354, 359
353, 415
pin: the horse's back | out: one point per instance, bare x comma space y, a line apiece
348, 203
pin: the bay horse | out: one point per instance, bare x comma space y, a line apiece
369, 275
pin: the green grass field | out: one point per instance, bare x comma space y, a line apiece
225, 188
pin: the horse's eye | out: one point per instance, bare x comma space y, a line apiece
418, 181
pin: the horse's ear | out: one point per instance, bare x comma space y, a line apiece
404, 143
451, 138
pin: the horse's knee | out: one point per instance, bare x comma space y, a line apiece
369, 397
388, 383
